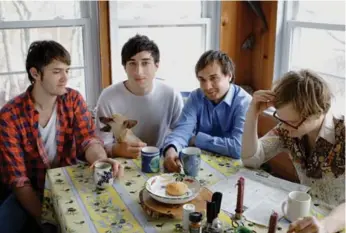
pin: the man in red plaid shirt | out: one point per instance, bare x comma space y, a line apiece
47, 126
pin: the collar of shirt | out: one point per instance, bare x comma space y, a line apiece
327, 130
228, 97
29, 99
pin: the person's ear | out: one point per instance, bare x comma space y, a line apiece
231, 78
35, 73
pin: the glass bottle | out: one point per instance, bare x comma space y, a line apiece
195, 222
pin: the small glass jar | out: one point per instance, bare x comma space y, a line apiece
195, 222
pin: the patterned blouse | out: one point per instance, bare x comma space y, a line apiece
323, 170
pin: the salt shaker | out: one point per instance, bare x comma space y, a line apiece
187, 210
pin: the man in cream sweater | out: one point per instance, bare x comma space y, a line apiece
153, 104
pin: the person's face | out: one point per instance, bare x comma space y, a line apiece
141, 69
296, 125
213, 82
53, 78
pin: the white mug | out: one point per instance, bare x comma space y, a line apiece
103, 175
298, 205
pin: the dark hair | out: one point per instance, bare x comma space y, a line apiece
42, 53
137, 44
211, 56
305, 90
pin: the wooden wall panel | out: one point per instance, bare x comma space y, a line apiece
105, 51
262, 64
253, 67
236, 25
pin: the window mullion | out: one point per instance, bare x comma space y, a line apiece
162, 23
42, 23
322, 26
85, 9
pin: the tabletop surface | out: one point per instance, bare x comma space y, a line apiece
80, 207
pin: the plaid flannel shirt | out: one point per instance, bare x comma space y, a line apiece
23, 158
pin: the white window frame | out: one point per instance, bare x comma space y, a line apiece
90, 27
210, 22
285, 28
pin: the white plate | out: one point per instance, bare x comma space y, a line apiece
156, 187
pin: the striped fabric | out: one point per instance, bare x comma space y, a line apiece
23, 159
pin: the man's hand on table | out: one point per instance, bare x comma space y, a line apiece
129, 150
171, 161
96, 153
307, 225
118, 170
192, 141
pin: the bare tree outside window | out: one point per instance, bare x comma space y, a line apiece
15, 42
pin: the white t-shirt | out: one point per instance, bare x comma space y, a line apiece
156, 112
48, 135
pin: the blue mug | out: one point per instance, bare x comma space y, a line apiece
150, 159
190, 158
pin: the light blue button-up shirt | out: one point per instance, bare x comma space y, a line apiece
218, 127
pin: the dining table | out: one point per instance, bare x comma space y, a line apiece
72, 201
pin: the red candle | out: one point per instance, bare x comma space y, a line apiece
273, 222
240, 197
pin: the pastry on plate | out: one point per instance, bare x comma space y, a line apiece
176, 189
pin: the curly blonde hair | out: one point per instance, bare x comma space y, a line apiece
305, 90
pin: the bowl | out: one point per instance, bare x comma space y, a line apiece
156, 187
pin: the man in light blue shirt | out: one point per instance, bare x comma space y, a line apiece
214, 114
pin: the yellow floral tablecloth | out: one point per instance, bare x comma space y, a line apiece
76, 205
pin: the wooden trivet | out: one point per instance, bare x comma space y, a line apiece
157, 209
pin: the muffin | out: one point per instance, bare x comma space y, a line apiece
176, 189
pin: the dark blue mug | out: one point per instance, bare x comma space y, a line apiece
150, 159
190, 158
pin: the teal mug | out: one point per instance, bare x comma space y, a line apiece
150, 159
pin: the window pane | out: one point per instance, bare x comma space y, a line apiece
158, 9
337, 85
77, 81
39, 10
180, 48
14, 44
319, 11
324, 52
14, 84
320, 50
11, 86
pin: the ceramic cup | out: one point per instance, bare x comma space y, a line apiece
150, 159
190, 158
298, 205
103, 176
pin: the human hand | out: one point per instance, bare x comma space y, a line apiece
307, 225
118, 170
192, 141
171, 161
261, 100
130, 150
